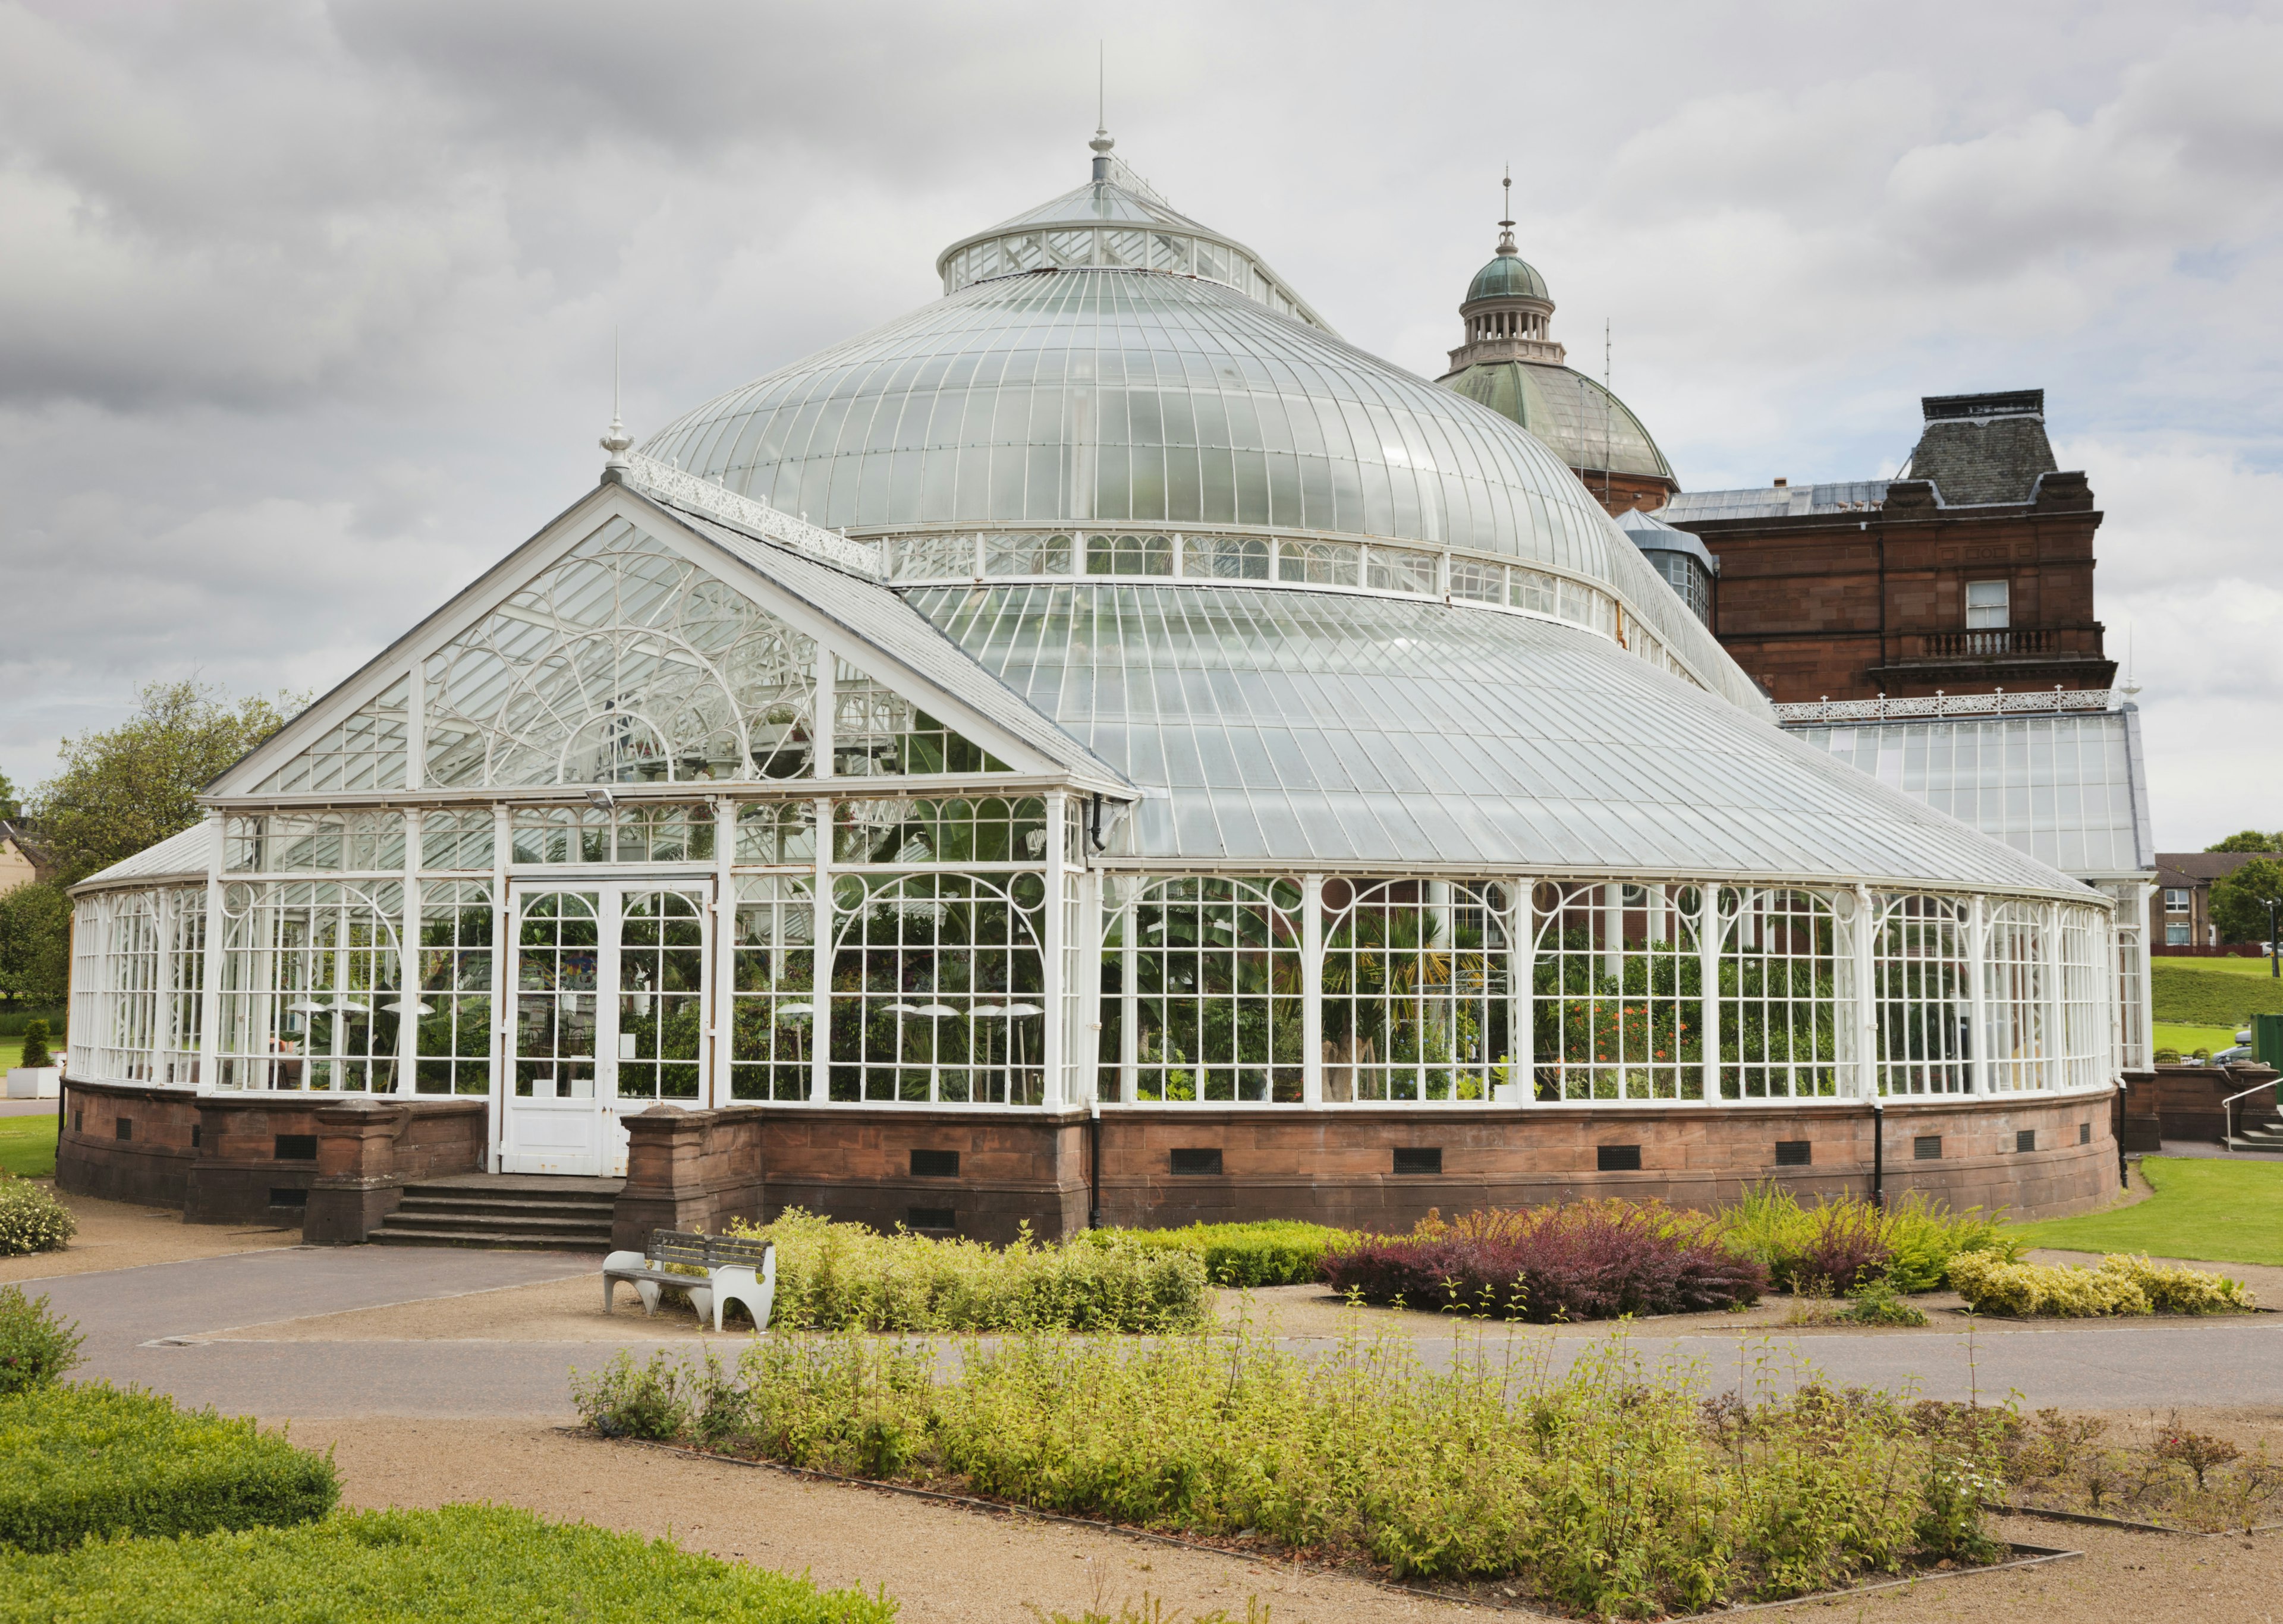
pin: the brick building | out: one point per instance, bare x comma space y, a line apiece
2179, 908
1972, 572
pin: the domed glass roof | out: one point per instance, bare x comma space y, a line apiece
1508, 277
1584, 424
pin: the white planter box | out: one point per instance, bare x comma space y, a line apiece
36, 1082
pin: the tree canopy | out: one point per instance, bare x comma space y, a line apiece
2239, 900
35, 943
131, 786
2249, 840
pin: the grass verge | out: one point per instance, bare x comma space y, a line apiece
2184, 990
2187, 1039
2206, 1210
472, 1564
28, 1146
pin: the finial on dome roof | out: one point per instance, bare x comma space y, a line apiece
1102, 141
615, 439
1506, 226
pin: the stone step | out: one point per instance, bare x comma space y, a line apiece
580, 1224
488, 1206
502, 1238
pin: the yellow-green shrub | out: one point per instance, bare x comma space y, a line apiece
833, 1277
2175, 1290
2025, 1291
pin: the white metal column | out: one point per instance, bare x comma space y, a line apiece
1056, 973
408, 966
2051, 1074
503, 994
210, 971
820, 974
1708, 970
722, 1008
1977, 995
1521, 991
1865, 977
1311, 989
1129, 999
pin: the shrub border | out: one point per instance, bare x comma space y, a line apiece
2020, 1556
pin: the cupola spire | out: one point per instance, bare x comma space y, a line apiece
1102, 141
615, 439
1506, 226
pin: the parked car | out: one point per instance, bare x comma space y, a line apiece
2239, 1055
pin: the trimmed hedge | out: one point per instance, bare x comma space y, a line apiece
90, 1461
1275, 1252
470, 1563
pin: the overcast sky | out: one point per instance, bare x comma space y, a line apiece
306, 310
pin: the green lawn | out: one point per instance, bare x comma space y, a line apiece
2219, 967
28, 1146
2188, 1039
2216, 1211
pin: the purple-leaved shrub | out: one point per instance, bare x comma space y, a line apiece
1585, 1260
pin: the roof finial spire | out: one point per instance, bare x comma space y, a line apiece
1102, 142
1506, 226
615, 439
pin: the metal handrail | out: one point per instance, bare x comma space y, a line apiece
2227, 1107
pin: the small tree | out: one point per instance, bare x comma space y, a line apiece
35, 1045
2249, 840
2239, 900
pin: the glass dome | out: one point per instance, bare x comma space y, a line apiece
1093, 396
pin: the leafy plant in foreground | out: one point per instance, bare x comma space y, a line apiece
35, 1346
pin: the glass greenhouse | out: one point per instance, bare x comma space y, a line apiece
1103, 690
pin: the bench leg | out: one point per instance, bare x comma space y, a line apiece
647, 1290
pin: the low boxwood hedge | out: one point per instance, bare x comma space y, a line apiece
81, 1460
1273, 1252
471, 1564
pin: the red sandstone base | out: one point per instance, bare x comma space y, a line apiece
340, 1163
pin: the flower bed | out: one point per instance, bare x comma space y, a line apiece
2169, 1473
1609, 1489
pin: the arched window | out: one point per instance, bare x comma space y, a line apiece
1206, 975
1416, 997
938, 990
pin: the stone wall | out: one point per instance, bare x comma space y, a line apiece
2188, 1102
219, 1159
987, 1174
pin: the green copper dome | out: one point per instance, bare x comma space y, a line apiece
1508, 277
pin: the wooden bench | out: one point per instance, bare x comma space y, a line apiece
726, 1270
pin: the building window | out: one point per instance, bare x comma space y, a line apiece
2176, 901
1989, 605
2176, 936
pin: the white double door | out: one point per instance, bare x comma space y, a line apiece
611, 1014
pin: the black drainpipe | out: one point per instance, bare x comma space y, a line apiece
1878, 1153
1094, 1170
1094, 823
2117, 1127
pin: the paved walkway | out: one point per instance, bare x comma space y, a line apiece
142, 1325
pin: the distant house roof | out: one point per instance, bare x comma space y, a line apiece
2194, 868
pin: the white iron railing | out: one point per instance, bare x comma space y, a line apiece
671, 483
1999, 704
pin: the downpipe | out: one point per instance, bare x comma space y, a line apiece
1879, 1154
1094, 1168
